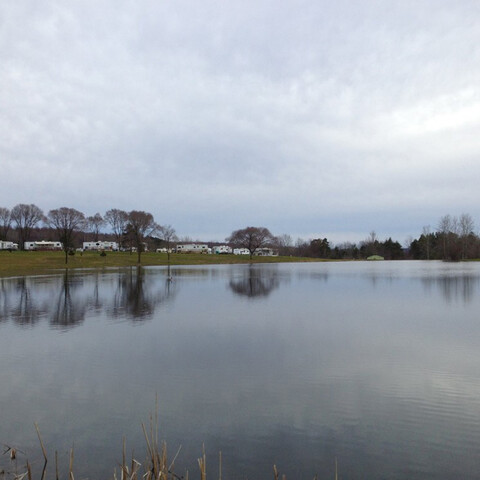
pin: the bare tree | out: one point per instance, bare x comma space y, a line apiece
285, 244
95, 223
444, 227
466, 228
370, 246
251, 238
426, 235
140, 225
118, 220
66, 221
5, 222
26, 217
168, 235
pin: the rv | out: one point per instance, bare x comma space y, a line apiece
222, 250
241, 251
43, 245
100, 246
193, 248
4, 245
265, 252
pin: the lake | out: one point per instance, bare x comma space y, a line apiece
375, 365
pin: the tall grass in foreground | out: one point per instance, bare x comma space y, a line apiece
155, 466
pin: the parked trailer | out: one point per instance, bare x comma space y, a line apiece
222, 250
101, 246
43, 245
4, 245
193, 248
241, 251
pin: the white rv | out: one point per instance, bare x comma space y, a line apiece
43, 245
241, 251
222, 249
4, 245
100, 246
265, 252
193, 248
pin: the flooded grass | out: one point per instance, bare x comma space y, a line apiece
40, 263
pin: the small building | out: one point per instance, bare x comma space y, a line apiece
193, 248
375, 257
100, 246
4, 245
43, 245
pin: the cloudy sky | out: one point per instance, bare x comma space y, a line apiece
312, 118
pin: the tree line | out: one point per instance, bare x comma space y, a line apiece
67, 225
453, 239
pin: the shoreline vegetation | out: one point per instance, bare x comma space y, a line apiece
154, 465
21, 263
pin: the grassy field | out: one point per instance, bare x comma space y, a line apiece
40, 263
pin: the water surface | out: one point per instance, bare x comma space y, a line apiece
376, 365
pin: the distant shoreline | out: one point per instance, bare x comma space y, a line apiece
19, 263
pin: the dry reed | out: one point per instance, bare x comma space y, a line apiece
155, 465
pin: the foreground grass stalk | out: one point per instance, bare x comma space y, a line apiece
156, 465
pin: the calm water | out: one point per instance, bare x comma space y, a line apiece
374, 364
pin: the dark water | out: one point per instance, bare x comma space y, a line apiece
376, 365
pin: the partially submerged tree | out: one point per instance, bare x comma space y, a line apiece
140, 225
25, 217
118, 220
66, 222
251, 238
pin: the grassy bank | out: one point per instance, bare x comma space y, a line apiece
41, 263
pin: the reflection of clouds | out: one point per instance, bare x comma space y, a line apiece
311, 374
255, 282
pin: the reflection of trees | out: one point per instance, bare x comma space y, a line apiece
255, 282
65, 300
96, 302
134, 298
69, 310
19, 304
454, 287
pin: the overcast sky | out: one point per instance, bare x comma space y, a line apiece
312, 118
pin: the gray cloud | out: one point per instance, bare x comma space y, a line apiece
304, 117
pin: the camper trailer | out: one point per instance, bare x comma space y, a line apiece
193, 248
100, 246
4, 245
43, 245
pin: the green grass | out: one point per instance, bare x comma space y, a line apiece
41, 263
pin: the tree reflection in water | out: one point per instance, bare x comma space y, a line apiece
256, 282
19, 303
134, 297
70, 309
459, 288
66, 300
